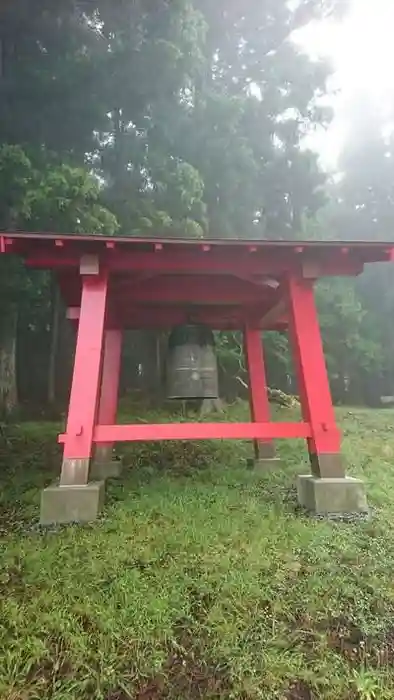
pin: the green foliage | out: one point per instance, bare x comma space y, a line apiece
189, 112
38, 193
186, 118
67, 199
57, 197
229, 348
342, 317
276, 349
16, 174
50, 76
361, 207
51, 196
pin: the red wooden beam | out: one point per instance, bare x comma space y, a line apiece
73, 313
85, 383
163, 317
188, 262
195, 243
196, 262
328, 253
187, 289
198, 431
277, 309
316, 402
218, 318
167, 317
258, 395
110, 375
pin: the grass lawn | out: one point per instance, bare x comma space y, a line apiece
202, 579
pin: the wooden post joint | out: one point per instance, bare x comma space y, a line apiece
89, 265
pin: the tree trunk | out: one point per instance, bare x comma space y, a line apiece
8, 384
54, 343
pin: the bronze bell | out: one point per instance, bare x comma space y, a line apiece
192, 371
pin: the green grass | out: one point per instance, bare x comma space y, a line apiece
202, 579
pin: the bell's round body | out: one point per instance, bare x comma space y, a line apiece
192, 366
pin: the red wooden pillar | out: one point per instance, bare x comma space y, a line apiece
258, 395
317, 408
86, 381
108, 404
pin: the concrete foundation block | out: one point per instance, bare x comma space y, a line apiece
70, 504
339, 495
265, 464
112, 469
264, 449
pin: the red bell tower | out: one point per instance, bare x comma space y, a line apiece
113, 284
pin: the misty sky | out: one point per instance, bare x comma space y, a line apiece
361, 50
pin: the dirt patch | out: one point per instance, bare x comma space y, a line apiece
357, 648
53, 667
183, 677
200, 603
188, 671
150, 691
299, 691
121, 695
13, 519
12, 582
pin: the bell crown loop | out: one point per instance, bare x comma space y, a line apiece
191, 334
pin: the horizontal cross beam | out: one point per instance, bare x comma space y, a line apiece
196, 289
198, 263
198, 431
165, 317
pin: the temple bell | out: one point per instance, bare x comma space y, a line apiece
192, 371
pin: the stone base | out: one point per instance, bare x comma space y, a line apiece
112, 469
327, 466
339, 495
264, 449
264, 464
70, 504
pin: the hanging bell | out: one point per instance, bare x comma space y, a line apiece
192, 371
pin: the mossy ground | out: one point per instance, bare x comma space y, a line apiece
201, 580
